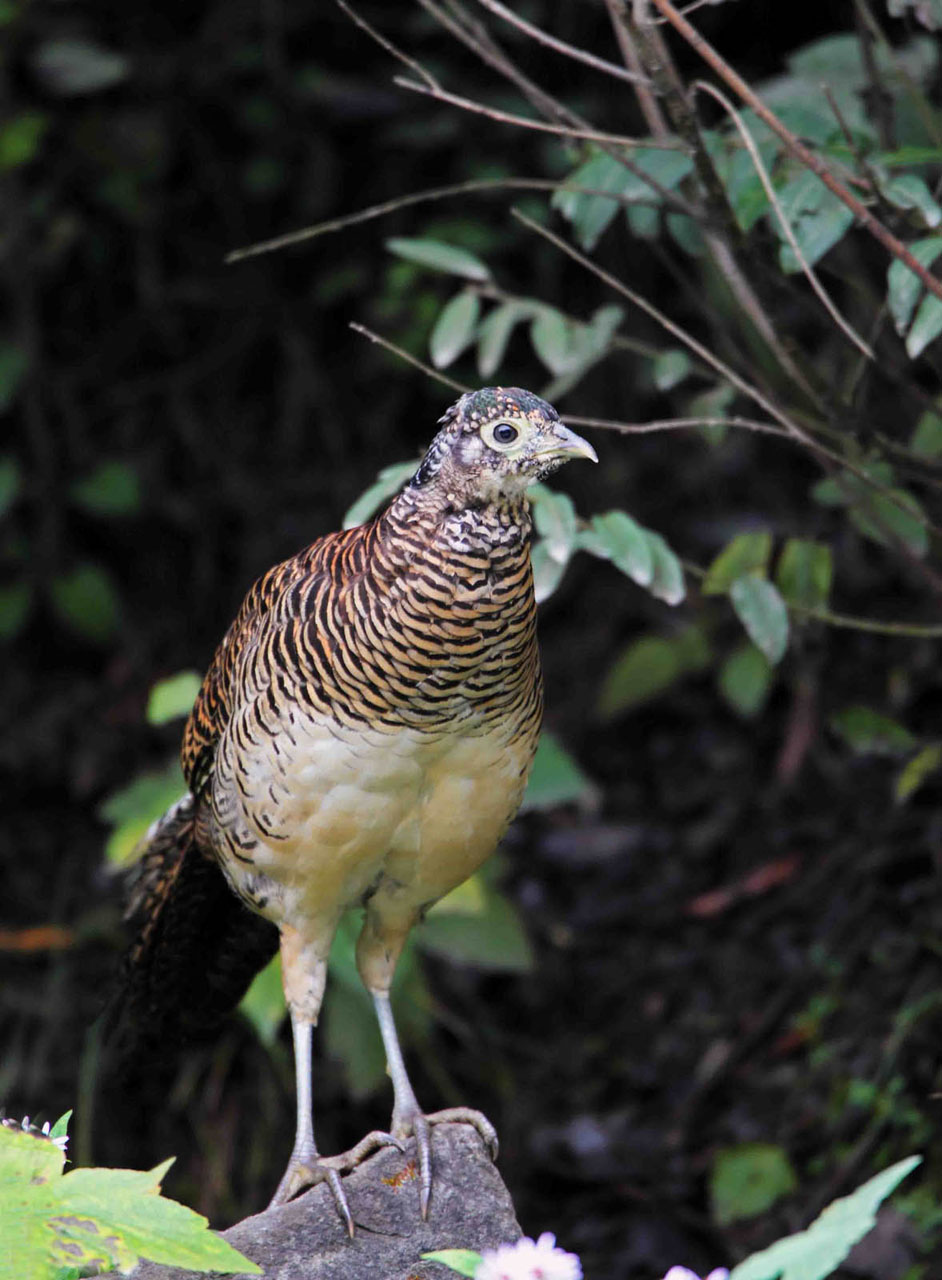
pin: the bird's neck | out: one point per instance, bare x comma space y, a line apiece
445, 522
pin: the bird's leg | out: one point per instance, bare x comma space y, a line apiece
305, 1168
408, 1117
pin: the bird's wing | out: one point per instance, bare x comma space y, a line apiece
268, 605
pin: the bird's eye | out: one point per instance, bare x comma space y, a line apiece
505, 433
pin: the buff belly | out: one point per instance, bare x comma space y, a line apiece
322, 817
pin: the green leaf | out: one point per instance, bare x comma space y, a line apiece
555, 779
747, 1180
454, 328
877, 515
904, 287
173, 698
615, 536
670, 368
73, 66
819, 1251
668, 581
550, 334
440, 257
804, 573
87, 602
590, 215
554, 516
816, 230
9, 483
746, 553
745, 680
133, 808
916, 770
494, 939
547, 571
20, 138
15, 603
264, 1002
650, 665
869, 732
762, 612
124, 1211
686, 233
494, 334
61, 1127
13, 366
927, 437
926, 327
95, 1217
112, 489
909, 191
389, 481
464, 1261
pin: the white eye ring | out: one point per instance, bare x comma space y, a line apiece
504, 433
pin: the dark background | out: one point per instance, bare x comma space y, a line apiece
648, 1035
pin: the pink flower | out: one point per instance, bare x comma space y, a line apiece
684, 1273
529, 1260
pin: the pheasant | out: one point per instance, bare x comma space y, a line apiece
363, 737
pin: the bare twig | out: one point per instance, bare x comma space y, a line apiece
774, 201
792, 429
407, 61
891, 243
650, 108
476, 38
542, 126
705, 354
677, 424
560, 46
408, 357
480, 185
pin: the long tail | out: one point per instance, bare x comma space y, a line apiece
195, 947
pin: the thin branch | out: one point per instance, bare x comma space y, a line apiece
791, 427
477, 38
766, 181
407, 61
891, 243
524, 122
725, 370
677, 424
407, 356
560, 46
419, 197
650, 107
914, 630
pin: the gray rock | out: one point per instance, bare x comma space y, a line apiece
306, 1239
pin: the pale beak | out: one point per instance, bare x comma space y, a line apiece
568, 445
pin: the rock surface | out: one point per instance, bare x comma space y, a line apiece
306, 1240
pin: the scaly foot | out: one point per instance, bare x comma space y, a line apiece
417, 1125
306, 1169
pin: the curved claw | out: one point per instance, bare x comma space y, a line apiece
419, 1126
303, 1173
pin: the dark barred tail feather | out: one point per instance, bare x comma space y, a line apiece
195, 947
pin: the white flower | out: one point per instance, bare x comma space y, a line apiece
61, 1142
684, 1273
526, 1260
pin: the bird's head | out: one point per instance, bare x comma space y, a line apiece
495, 442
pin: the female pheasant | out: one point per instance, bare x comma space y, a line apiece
363, 737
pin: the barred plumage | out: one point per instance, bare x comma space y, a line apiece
366, 728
